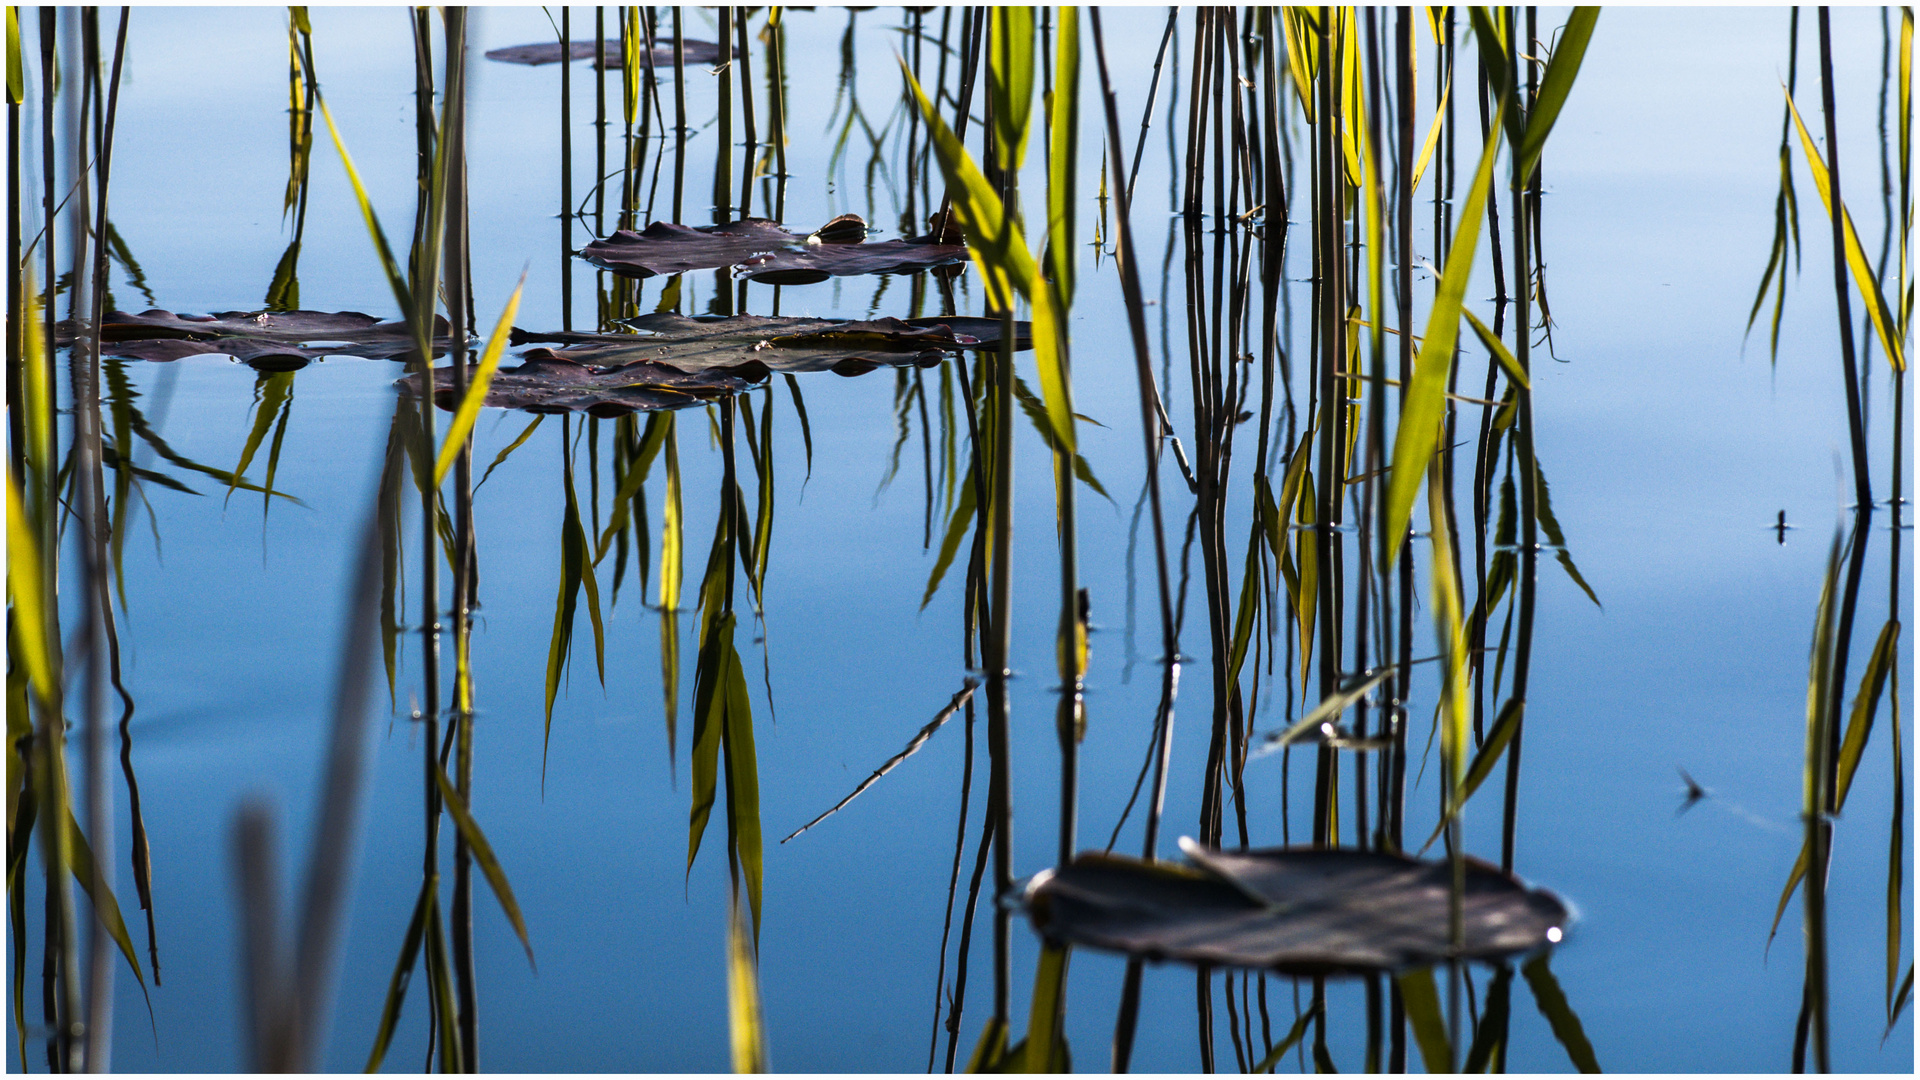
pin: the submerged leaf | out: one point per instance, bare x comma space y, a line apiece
1299, 911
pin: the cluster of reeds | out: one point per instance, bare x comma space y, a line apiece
1836, 735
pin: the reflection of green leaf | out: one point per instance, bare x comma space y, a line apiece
275, 392
1484, 759
104, 905
576, 571
990, 1051
950, 545
483, 854
1544, 510
1423, 1013
745, 1024
402, 975
1560, 1015
1490, 1035
1294, 1034
1046, 1041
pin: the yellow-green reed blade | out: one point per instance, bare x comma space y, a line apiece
1004, 262
1423, 1014
16, 80
275, 391
24, 593
1294, 1034
743, 777
1484, 759
1515, 373
1873, 682
1300, 27
397, 984
1433, 134
989, 1054
1863, 276
525, 434
1560, 1016
1046, 1041
1415, 441
1456, 699
746, 1026
672, 538
1010, 80
396, 274
101, 894
456, 808
1555, 84
1063, 128
469, 410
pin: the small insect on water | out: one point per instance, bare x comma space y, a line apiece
1694, 792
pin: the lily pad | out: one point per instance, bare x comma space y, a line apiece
696, 52
548, 383
764, 251
779, 343
1298, 911
679, 361
268, 340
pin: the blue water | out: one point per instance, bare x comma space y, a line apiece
1669, 452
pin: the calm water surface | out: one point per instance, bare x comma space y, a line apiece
1668, 450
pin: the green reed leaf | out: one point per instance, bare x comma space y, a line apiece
746, 1027
1899, 1003
709, 720
1484, 760
743, 775
1455, 698
1560, 1015
1423, 1013
502, 456
990, 1052
1000, 254
469, 410
1328, 711
1491, 28
456, 808
402, 975
1491, 1033
1010, 71
16, 80
950, 544
1433, 134
1300, 26
1425, 405
276, 391
1860, 724
26, 593
1543, 507
440, 986
1306, 598
1794, 877
672, 538
101, 893
1894, 344
1294, 1034
1555, 85
396, 274
1036, 411
1515, 373
1046, 1041
1063, 174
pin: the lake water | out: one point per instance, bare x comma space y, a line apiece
1671, 449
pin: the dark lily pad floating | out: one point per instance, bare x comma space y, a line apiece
779, 343
764, 251
267, 340
696, 52
679, 361
1298, 911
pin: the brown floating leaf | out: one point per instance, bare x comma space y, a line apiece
768, 253
1300, 911
270, 340
549, 383
779, 343
667, 248
696, 52
818, 262
681, 361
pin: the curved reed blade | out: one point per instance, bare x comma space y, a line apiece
1010, 80
25, 581
1489, 1045
1873, 682
746, 1024
402, 975
456, 808
1415, 441
1422, 1000
1560, 1015
1484, 760
104, 905
913, 745
502, 456
1863, 277
1555, 84
1294, 1034
462, 423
